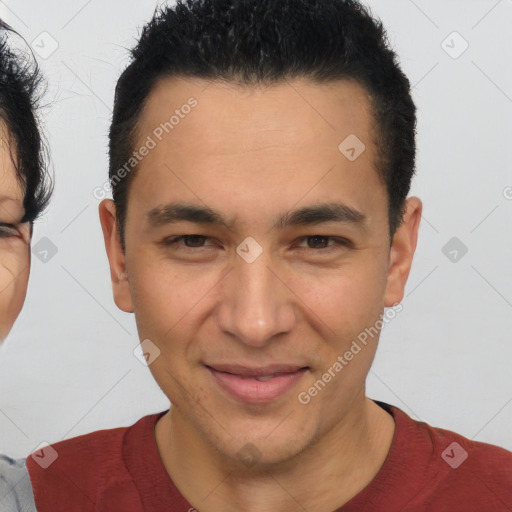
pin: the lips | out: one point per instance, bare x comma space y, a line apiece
256, 385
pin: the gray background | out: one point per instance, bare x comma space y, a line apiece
68, 366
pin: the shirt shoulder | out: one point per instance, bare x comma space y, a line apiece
454, 473
86, 470
468, 471
430, 468
15, 488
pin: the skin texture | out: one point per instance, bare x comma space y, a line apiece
14, 240
253, 153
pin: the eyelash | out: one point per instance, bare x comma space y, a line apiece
8, 230
173, 241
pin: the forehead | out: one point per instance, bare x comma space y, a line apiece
230, 109
211, 136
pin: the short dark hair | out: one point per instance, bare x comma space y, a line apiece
264, 42
21, 88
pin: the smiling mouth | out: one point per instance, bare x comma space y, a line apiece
257, 385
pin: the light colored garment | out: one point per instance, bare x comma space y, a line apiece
15, 488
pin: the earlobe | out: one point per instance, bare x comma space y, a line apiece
116, 256
402, 252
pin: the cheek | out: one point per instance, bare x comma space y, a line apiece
168, 313
14, 273
345, 300
162, 297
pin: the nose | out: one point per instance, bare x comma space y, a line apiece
256, 305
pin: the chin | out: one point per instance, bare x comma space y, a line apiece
264, 451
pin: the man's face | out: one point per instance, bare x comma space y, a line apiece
256, 293
14, 240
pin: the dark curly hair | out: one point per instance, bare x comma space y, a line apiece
267, 41
21, 86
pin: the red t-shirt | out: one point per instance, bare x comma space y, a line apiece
120, 470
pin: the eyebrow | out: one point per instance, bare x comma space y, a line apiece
309, 215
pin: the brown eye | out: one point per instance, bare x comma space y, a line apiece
189, 241
321, 242
194, 239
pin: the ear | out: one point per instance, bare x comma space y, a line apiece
402, 252
116, 256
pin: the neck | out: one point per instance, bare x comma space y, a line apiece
322, 478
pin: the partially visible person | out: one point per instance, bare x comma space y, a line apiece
25, 190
